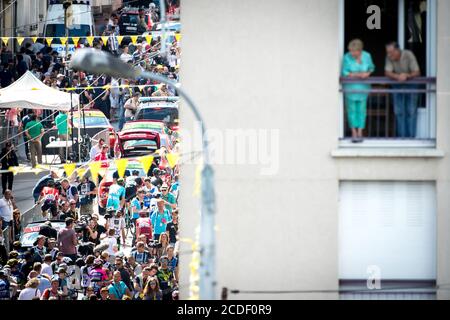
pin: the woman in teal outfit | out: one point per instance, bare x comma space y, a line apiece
357, 64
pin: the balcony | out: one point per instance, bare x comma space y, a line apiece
381, 125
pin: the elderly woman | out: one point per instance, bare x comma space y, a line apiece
357, 64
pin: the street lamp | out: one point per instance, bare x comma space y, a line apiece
99, 62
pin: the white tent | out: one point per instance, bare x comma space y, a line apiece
31, 93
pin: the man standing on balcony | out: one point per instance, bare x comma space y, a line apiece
401, 65
357, 64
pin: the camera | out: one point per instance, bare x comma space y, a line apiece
80, 227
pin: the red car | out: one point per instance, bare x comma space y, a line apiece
137, 143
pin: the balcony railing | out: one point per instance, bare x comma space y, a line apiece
381, 125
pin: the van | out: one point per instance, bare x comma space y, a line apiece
82, 23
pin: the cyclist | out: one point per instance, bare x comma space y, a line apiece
116, 195
49, 197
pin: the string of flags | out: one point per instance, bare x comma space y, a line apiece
90, 39
108, 87
97, 168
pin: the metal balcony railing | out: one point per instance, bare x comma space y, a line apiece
381, 121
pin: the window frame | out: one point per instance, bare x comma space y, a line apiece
431, 53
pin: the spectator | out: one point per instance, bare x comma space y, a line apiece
96, 149
401, 65
67, 240
31, 291
9, 159
357, 64
152, 290
61, 125
117, 289
34, 131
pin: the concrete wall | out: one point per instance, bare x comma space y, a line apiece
257, 65
266, 64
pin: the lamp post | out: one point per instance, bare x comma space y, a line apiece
99, 62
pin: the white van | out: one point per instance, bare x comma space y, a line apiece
82, 26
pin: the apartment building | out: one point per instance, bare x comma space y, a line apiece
336, 217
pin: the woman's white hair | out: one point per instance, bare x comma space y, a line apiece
356, 44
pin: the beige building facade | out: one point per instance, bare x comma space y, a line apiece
275, 66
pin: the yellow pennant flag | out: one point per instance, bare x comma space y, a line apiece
34, 39
121, 165
141, 87
148, 38
81, 172
5, 40
63, 40
178, 37
119, 39
90, 40
95, 168
69, 168
75, 40
14, 170
20, 40
49, 41
146, 162
134, 39
172, 158
105, 40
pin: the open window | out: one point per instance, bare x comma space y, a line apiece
412, 24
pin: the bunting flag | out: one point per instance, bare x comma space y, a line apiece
172, 159
146, 162
148, 38
14, 170
63, 40
69, 168
90, 40
119, 39
142, 87
178, 37
105, 40
20, 40
5, 40
34, 39
134, 39
81, 172
94, 167
49, 41
75, 41
121, 165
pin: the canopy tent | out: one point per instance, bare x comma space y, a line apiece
31, 93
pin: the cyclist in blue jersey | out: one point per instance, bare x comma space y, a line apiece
116, 195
